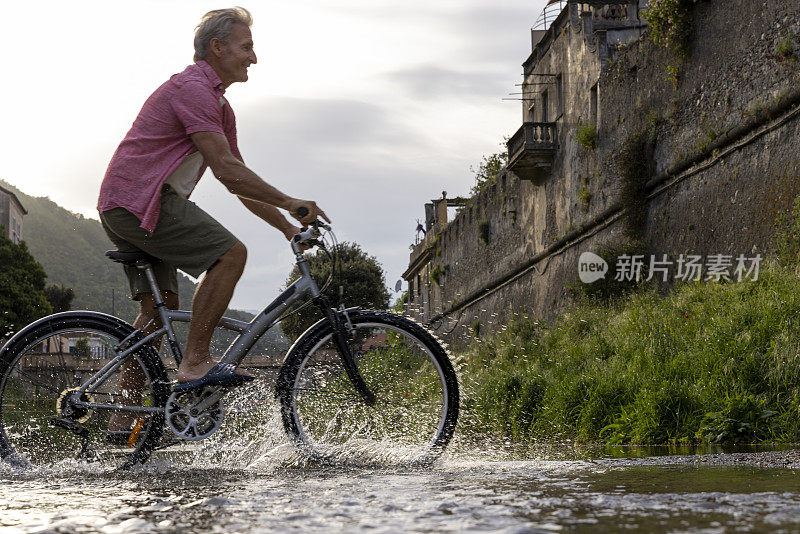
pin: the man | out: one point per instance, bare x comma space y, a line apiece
185, 126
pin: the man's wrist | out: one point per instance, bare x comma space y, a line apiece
285, 203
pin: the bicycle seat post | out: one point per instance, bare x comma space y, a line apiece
161, 308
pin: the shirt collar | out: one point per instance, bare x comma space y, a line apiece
211, 74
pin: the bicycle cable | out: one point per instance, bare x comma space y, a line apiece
334, 262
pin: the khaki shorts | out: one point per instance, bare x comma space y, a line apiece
185, 238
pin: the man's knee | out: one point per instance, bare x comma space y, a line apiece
236, 256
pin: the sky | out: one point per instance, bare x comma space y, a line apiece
369, 107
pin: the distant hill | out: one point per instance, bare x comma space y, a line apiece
71, 249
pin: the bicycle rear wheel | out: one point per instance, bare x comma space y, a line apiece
409, 372
41, 370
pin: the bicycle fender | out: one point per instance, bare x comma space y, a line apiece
313, 329
115, 321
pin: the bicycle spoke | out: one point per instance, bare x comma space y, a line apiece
404, 374
35, 381
45, 416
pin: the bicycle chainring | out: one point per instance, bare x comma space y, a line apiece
187, 421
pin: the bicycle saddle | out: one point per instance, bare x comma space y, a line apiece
129, 258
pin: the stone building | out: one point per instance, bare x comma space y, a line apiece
11, 213
561, 86
706, 149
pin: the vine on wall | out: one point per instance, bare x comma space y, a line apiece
670, 24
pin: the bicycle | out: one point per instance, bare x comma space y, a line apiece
356, 380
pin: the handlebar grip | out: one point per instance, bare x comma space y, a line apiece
302, 211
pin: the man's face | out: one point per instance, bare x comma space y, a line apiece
237, 56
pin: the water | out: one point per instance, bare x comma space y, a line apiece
246, 478
464, 493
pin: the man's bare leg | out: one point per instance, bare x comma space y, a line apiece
210, 302
131, 378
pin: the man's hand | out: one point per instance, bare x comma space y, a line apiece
291, 231
313, 210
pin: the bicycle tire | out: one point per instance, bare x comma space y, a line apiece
410, 373
52, 356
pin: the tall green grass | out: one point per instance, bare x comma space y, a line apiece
710, 362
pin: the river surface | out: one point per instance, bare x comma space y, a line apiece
269, 489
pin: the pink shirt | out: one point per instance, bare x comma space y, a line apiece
158, 141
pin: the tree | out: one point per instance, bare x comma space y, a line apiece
487, 171
82, 348
359, 274
59, 297
22, 281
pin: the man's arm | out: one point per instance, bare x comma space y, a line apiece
246, 184
273, 216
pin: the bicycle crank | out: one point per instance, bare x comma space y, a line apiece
193, 415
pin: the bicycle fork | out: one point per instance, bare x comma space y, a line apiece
340, 338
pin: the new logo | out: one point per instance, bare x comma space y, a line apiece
591, 267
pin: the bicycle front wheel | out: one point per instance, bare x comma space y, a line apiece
408, 371
46, 420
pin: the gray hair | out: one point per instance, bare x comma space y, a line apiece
218, 24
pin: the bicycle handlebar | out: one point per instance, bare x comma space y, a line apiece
309, 236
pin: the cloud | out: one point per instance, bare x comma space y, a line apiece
390, 104
432, 82
495, 34
369, 169
332, 123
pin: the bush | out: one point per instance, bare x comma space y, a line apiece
487, 171
670, 24
586, 135
786, 240
708, 363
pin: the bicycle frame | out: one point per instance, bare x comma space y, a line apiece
303, 289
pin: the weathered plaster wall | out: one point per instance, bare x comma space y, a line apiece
724, 161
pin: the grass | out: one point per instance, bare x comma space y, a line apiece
585, 196
784, 48
710, 362
436, 275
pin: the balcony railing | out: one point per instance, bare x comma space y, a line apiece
549, 14
532, 149
611, 14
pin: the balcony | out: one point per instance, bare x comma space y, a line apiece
532, 149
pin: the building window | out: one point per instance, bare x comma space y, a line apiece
13, 233
559, 97
593, 104
544, 107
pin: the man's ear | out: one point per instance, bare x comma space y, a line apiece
216, 47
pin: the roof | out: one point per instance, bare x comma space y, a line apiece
14, 198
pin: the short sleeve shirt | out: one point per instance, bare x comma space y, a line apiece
189, 102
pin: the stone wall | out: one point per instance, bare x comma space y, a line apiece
721, 161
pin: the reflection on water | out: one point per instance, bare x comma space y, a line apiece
246, 478
461, 494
